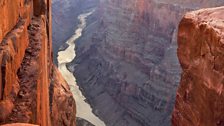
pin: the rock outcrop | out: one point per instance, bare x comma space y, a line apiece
63, 105
126, 61
29, 86
19, 124
200, 97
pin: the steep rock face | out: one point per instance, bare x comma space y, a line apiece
19, 124
26, 71
63, 105
200, 97
126, 61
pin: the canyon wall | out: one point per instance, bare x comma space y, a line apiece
64, 20
30, 88
200, 97
126, 61
19, 124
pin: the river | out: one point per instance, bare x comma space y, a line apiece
84, 110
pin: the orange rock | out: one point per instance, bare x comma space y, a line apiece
9, 10
200, 98
6, 107
26, 70
63, 104
19, 124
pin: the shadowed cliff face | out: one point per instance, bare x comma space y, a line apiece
28, 86
126, 61
200, 97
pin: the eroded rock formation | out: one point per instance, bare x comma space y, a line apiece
200, 97
63, 105
19, 124
126, 61
30, 88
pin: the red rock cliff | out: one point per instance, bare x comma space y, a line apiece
31, 88
200, 98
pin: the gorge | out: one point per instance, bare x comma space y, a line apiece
31, 88
126, 61
112, 63
84, 110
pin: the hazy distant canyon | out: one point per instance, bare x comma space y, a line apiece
126, 61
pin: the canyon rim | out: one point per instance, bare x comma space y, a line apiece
111, 62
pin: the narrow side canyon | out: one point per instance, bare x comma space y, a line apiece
200, 97
31, 88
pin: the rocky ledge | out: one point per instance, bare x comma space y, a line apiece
200, 97
31, 89
19, 124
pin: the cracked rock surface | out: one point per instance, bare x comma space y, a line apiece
200, 97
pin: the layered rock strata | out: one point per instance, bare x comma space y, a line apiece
28, 86
19, 124
200, 97
126, 61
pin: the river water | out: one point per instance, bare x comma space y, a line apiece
84, 110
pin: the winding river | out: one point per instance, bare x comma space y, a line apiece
84, 110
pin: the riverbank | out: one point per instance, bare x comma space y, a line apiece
84, 110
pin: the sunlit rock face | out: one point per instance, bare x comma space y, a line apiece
126, 61
19, 124
27, 85
200, 97
193, 3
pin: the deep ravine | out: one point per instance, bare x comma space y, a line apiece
84, 110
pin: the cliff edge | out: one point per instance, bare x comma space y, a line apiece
200, 97
31, 88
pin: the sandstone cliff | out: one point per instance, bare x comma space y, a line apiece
30, 88
200, 97
126, 61
19, 124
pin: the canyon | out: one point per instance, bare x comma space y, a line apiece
200, 97
122, 63
31, 88
84, 110
64, 23
126, 62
